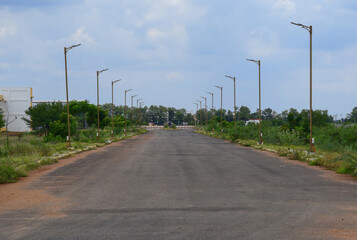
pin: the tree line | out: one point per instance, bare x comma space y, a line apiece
52, 117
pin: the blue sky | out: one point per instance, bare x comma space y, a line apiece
171, 52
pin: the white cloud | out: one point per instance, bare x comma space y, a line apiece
154, 34
81, 36
284, 7
262, 44
7, 31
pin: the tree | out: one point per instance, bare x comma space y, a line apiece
42, 114
244, 113
353, 115
230, 116
60, 127
2, 118
267, 114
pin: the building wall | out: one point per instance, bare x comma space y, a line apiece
15, 102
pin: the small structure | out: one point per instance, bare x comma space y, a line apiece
14, 102
255, 121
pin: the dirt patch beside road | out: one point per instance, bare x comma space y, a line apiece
17, 196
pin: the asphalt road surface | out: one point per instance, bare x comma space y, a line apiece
181, 185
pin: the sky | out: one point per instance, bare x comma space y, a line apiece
172, 52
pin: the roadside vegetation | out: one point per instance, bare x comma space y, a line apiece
287, 135
47, 142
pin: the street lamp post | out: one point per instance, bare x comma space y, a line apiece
200, 111
99, 72
137, 110
309, 29
128, 90
221, 88
196, 114
212, 109
141, 105
206, 109
66, 49
113, 82
132, 106
260, 101
235, 108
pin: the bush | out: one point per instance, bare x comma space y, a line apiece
50, 138
60, 127
8, 174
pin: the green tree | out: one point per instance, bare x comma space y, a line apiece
244, 113
268, 114
60, 127
353, 115
230, 116
42, 114
2, 118
92, 116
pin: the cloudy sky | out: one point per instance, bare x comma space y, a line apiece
171, 52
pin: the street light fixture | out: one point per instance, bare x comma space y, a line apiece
196, 114
260, 101
113, 82
132, 106
200, 110
212, 109
221, 88
66, 49
128, 90
235, 108
99, 72
141, 104
309, 29
206, 109
137, 110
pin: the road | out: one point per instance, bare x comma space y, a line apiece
180, 185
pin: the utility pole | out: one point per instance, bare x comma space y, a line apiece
212, 110
221, 88
260, 103
66, 49
235, 108
309, 29
99, 72
196, 114
126, 91
206, 113
113, 82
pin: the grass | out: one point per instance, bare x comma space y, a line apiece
28, 151
342, 160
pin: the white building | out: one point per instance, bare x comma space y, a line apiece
14, 102
255, 121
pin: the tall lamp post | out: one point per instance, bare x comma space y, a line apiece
126, 91
200, 111
113, 82
309, 29
141, 104
212, 109
132, 106
221, 88
196, 114
235, 108
99, 72
205, 109
66, 49
137, 110
260, 103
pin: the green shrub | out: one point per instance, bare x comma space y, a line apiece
60, 127
82, 137
8, 174
50, 138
